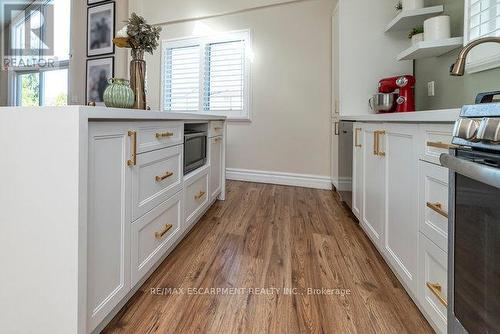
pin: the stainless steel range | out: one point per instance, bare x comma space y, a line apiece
474, 221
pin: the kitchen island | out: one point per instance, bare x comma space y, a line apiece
93, 199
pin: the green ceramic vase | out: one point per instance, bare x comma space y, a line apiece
118, 94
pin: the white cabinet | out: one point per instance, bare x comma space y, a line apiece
373, 185
215, 149
109, 217
357, 170
433, 287
399, 143
196, 196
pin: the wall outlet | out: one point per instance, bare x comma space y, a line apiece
431, 88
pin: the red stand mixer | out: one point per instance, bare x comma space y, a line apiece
402, 88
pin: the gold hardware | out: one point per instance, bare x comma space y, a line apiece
161, 234
376, 143
336, 128
199, 195
437, 207
164, 134
436, 290
356, 143
133, 144
217, 128
218, 139
164, 176
439, 144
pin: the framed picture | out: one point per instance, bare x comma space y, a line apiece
99, 70
100, 29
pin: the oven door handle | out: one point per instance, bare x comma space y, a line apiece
472, 170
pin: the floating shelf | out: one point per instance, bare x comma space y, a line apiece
409, 19
431, 49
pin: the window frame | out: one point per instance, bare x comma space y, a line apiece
484, 57
202, 42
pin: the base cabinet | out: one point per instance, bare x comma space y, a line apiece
400, 198
215, 150
373, 185
140, 204
109, 217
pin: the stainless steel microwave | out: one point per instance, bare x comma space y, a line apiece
195, 150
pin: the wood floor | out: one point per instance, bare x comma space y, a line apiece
267, 236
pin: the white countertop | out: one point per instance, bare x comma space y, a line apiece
104, 113
430, 116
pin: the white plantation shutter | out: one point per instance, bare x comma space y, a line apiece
224, 74
182, 79
208, 74
482, 19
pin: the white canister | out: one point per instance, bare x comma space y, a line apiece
417, 38
412, 4
437, 28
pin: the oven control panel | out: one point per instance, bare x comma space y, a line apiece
478, 132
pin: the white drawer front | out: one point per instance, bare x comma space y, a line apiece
196, 194
157, 176
435, 140
153, 234
216, 128
433, 289
155, 135
434, 203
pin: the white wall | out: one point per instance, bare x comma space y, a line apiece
290, 83
77, 71
367, 54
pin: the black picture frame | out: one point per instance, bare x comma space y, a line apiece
109, 50
97, 60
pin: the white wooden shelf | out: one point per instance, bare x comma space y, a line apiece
431, 49
409, 19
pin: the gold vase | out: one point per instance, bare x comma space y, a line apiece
137, 78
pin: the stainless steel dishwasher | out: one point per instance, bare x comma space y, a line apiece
345, 161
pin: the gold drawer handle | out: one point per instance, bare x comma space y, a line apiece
356, 142
164, 176
160, 135
376, 143
199, 195
439, 144
133, 144
436, 290
217, 139
161, 234
217, 129
437, 207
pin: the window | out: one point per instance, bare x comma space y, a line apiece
482, 18
209, 74
37, 78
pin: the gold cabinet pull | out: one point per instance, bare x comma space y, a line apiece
437, 207
218, 139
356, 140
436, 289
160, 135
199, 195
161, 234
164, 176
439, 144
133, 144
217, 128
376, 143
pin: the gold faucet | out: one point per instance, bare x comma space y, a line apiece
458, 68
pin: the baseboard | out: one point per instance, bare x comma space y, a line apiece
287, 179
